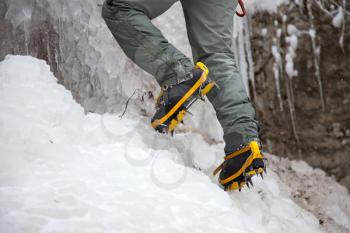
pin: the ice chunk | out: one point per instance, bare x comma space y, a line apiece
338, 18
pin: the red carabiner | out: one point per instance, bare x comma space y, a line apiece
241, 4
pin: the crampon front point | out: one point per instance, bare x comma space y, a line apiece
171, 113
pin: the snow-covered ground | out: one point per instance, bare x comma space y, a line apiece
64, 171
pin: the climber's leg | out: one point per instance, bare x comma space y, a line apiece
130, 23
210, 30
183, 84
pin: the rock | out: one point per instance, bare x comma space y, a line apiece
320, 148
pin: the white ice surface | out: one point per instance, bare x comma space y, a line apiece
338, 18
63, 171
292, 40
90, 62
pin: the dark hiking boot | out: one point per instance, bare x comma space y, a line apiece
240, 166
174, 101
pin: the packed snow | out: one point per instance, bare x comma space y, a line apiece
292, 40
64, 171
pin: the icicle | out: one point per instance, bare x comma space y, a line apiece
338, 16
323, 8
317, 59
341, 39
337, 21
239, 51
277, 67
26, 37
60, 54
292, 41
242, 48
289, 81
248, 54
48, 49
26, 15
20, 14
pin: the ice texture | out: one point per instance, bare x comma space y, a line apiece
93, 66
277, 69
90, 62
292, 41
316, 49
241, 47
64, 171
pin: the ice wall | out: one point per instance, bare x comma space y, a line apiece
79, 48
84, 55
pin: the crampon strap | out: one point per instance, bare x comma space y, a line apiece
255, 153
243, 13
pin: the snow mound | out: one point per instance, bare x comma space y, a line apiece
337, 21
64, 171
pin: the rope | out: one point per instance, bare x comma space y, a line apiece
243, 13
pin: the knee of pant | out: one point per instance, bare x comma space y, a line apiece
214, 54
116, 9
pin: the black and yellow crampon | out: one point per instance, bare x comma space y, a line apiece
240, 166
174, 102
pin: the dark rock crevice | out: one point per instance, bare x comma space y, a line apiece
323, 135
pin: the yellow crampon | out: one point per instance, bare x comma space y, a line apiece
174, 122
206, 89
255, 154
181, 113
247, 180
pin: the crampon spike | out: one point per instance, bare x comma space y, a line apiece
265, 170
256, 171
250, 182
246, 178
262, 177
240, 186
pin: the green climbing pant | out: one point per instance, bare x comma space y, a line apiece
210, 28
